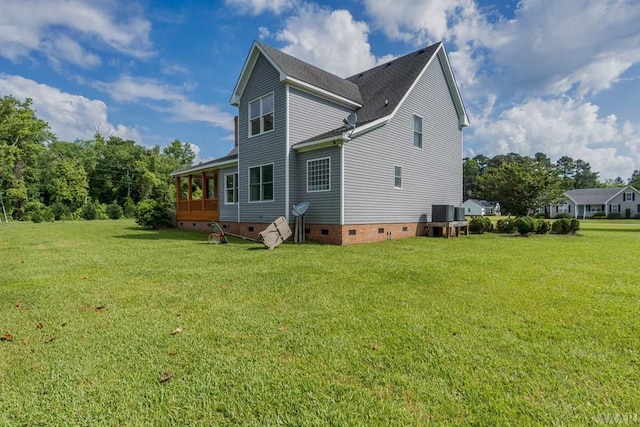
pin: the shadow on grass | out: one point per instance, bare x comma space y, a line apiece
625, 228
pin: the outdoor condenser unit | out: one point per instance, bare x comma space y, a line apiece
442, 213
459, 216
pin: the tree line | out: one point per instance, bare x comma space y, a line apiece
522, 184
42, 177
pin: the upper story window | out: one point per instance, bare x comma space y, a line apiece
628, 197
261, 183
398, 177
319, 174
417, 132
231, 188
261, 115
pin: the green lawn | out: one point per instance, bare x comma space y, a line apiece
104, 323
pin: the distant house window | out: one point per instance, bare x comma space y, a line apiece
261, 183
614, 208
261, 115
628, 197
417, 132
319, 174
231, 188
563, 208
398, 177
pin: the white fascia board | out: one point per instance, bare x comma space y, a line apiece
451, 80
372, 125
306, 87
247, 69
204, 167
321, 143
622, 190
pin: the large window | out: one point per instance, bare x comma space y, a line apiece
231, 188
261, 115
261, 183
628, 197
564, 208
398, 177
417, 132
319, 174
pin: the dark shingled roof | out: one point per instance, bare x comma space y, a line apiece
300, 70
231, 155
389, 83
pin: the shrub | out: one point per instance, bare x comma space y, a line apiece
599, 215
88, 210
153, 214
129, 208
37, 212
480, 224
614, 215
114, 211
540, 215
565, 226
542, 226
525, 225
506, 226
563, 215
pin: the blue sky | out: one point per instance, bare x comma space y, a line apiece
559, 77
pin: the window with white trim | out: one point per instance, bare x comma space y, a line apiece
614, 208
563, 208
417, 132
261, 115
319, 174
398, 177
261, 183
231, 188
629, 197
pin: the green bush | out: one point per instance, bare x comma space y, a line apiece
599, 215
114, 211
563, 215
540, 215
614, 215
88, 211
129, 208
565, 226
506, 226
542, 226
479, 225
525, 225
153, 214
36, 212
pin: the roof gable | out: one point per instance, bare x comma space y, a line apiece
585, 196
299, 73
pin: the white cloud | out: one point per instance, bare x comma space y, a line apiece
563, 127
70, 116
256, 7
56, 27
180, 108
329, 39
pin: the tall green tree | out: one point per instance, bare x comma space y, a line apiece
521, 185
23, 139
634, 181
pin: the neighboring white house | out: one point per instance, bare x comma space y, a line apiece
475, 207
587, 202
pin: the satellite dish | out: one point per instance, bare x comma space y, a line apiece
300, 209
351, 120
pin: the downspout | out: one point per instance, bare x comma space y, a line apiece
341, 184
286, 159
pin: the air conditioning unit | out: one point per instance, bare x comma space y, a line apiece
459, 215
442, 213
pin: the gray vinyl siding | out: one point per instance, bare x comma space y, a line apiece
324, 206
309, 116
265, 148
228, 212
431, 175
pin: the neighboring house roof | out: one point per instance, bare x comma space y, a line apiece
594, 196
483, 203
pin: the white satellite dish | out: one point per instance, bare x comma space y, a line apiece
351, 120
300, 208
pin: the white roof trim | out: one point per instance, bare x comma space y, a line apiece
204, 166
321, 143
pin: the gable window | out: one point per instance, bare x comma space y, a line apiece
398, 177
231, 188
319, 174
628, 197
417, 132
261, 183
261, 115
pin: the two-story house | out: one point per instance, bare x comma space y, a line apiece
370, 153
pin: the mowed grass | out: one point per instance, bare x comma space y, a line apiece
106, 323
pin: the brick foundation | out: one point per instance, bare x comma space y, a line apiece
322, 233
